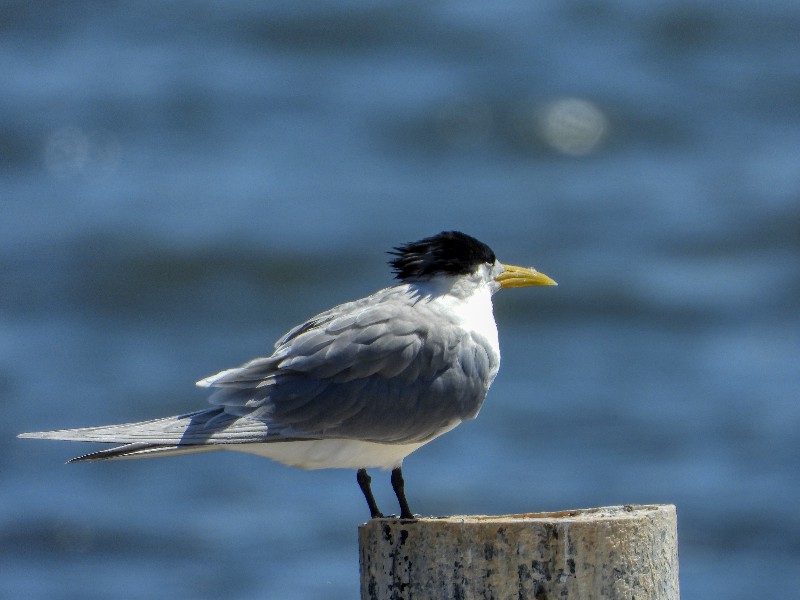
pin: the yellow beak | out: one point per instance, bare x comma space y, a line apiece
512, 277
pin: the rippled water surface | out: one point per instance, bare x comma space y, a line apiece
182, 182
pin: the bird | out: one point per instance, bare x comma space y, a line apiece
359, 386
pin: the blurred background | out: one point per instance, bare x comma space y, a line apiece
181, 182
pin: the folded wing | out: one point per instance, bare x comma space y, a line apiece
387, 369
391, 370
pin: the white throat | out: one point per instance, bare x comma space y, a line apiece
467, 299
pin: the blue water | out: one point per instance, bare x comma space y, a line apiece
182, 182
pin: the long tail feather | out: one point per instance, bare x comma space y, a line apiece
140, 450
165, 431
199, 431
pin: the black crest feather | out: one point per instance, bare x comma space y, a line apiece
450, 252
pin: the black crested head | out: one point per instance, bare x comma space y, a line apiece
448, 253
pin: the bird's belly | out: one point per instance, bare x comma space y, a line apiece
331, 454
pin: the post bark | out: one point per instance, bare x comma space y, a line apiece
616, 552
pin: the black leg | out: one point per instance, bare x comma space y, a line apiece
364, 479
399, 489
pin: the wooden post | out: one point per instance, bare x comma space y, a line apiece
619, 552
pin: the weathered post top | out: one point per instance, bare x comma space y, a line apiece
616, 552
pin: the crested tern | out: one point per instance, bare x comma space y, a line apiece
359, 386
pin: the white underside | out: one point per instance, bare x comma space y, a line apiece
330, 454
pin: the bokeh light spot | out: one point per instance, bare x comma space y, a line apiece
70, 151
573, 126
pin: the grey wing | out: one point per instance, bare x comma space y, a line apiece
386, 371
